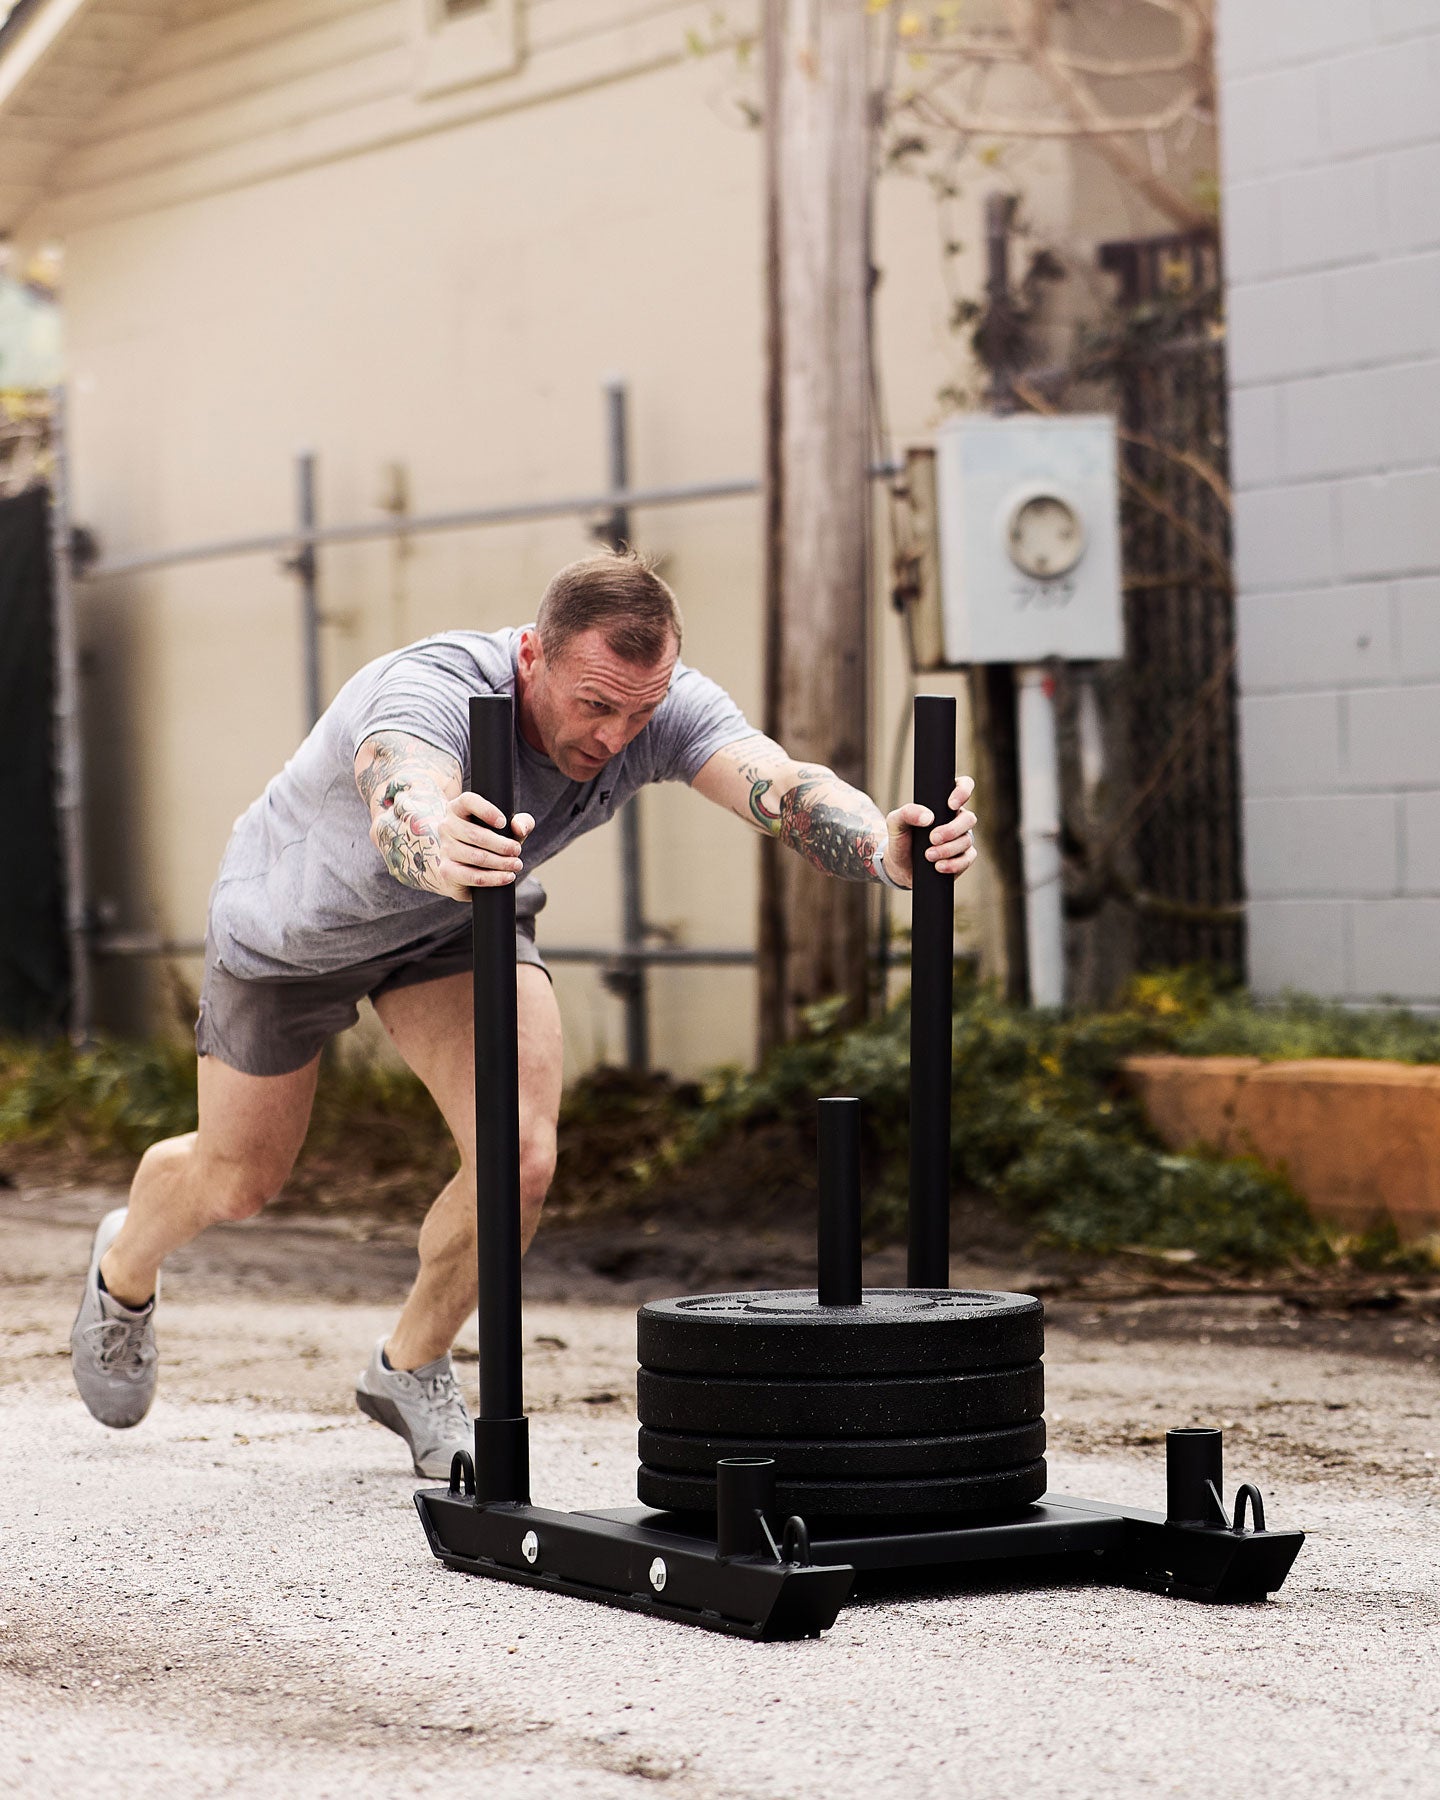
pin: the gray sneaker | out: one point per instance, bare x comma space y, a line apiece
423, 1405
112, 1347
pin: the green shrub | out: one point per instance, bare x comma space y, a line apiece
1297, 1028
1042, 1120
111, 1096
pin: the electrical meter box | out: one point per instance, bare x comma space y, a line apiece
1028, 526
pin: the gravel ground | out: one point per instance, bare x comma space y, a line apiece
236, 1597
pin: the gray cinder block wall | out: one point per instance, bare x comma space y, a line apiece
1330, 132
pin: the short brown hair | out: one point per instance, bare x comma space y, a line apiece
618, 591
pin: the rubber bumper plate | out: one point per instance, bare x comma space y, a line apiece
862, 1407
999, 1491
894, 1331
858, 1459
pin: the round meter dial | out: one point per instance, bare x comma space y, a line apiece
1046, 536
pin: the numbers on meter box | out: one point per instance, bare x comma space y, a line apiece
1039, 596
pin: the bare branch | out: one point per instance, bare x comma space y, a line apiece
1178, 64
997, 50
1148, 496
969, 49
1169, 763
1032, 30
1106, 125
1192, 16
1030, 40
998, 47
1197, 465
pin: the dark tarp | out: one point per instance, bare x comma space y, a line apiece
34, 966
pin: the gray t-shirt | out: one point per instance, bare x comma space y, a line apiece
303, 891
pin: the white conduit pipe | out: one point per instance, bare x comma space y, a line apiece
1040, 836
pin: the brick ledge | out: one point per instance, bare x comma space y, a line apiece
1359, 1140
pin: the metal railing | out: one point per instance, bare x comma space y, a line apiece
520, 512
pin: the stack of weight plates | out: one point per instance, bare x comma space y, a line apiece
918, 1401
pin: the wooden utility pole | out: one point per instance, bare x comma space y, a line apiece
993, 718
813, 929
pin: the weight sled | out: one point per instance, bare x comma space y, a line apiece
799, 1441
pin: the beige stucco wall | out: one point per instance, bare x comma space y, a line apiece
448, 302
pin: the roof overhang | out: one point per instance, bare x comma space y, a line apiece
58, 60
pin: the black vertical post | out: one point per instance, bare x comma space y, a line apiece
744, 1500
839, 1232
1194, 1476
932, 985
501, 1448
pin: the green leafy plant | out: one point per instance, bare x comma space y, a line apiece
113, 1095
1043, 1121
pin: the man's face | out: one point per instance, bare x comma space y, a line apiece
587, 704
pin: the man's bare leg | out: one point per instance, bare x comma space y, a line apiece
432, 1026
250, 1131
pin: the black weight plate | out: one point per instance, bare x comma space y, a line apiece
857, 1459
866, 1407
894, 1331
995, 1492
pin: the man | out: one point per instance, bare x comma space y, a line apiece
349, 877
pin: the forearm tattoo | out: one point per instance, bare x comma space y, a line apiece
835, 827
404, 785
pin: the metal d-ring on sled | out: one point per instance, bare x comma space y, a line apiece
793, 1440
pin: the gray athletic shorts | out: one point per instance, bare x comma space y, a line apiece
270, 1025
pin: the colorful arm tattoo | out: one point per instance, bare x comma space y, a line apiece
835, 827
767, 821
407, 785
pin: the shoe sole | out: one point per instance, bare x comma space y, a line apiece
387, 1413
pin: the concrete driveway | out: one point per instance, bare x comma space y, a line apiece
236, 1597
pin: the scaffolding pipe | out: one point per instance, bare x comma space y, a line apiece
282, 543
124, 944
629, 977
306, 566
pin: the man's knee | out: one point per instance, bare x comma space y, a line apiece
241, 1196
537, 1163
237, 1192
537, 1170
225, 1188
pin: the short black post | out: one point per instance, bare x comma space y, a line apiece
502, 1455
839, 1229
932, 988
1194, 1477
744, 1499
